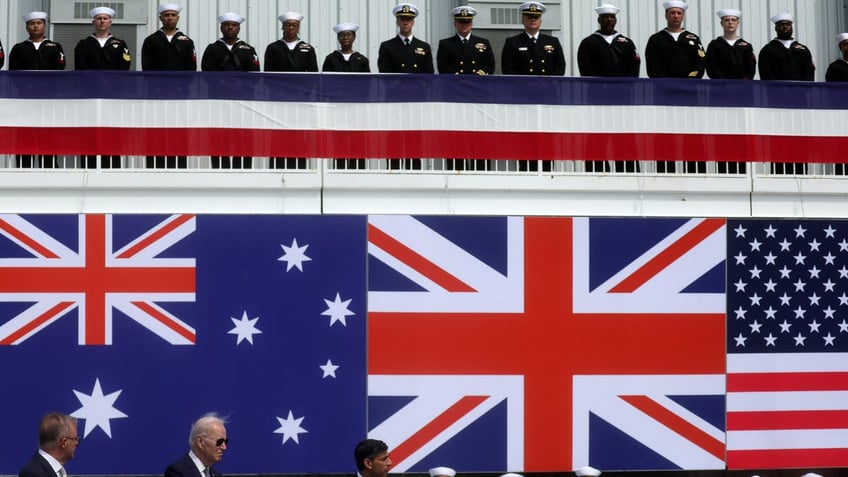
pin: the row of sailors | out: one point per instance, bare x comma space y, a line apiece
671, 52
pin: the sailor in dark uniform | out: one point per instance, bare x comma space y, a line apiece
607, 52
346, 59
101, 51
784, 58
838, 70
168, 49
36, 53
295, 55
405, 53
674, 52
532, 52
729, 56
229, 53
291, 53
2, 55
465, 53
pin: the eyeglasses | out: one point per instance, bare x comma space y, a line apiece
76, 438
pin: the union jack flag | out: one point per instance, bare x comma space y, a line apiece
638, 303
95, 279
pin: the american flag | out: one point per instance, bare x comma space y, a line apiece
787, 340
488, 336
277, 313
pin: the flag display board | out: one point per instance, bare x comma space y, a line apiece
402, 116
486, 344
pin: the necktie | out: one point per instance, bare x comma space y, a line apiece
534, 40
406, 41
465, 41
62, 472
207, 472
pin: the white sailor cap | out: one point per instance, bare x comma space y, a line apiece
587, 471
782, 17
405, 10
35, 16
511, 474
345, 27
290, 16
463, 13
101, 11
675, 4
169, 7
607, 9
231, 17
437, 471
533, 8
811, 474
841, 37
729, 12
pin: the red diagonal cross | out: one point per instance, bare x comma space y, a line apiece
95, 279
548, 344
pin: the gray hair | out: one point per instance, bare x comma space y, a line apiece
202, 425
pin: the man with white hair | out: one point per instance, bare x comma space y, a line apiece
607, 52
838, 70
291, 53
784, 58
207, 443
729, 56
674, 52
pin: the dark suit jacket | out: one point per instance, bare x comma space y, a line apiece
37, 467
395, 57
521, 56
185, 468
474, 57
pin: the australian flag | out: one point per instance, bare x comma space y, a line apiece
138, 325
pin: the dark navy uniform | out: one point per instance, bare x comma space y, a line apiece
837, 71
357, 63
780, 63
219, 57
2, 56
667, 58
726, 61
473, 56
596, 57
396, 57
523, 57
113, 55
48, 56
278, 57
159, 54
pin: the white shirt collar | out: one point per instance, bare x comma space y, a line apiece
197, 462
55, 464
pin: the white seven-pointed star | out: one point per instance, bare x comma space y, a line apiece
294, 256
97, 409
290, 428
245, 328
329, 369
337, 310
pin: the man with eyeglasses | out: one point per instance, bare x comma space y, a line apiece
57, 442
372, 458
208, 441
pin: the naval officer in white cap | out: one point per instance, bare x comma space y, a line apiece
291, 53
101, 50
346, 59
784, 58
587, 471
465, 53
838, 70
674, 52
607, 52
405, 53
168, 49
531, 52
442, 472
730, 56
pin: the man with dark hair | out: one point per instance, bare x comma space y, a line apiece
57, 442
372, 458
207, 442
838, 70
